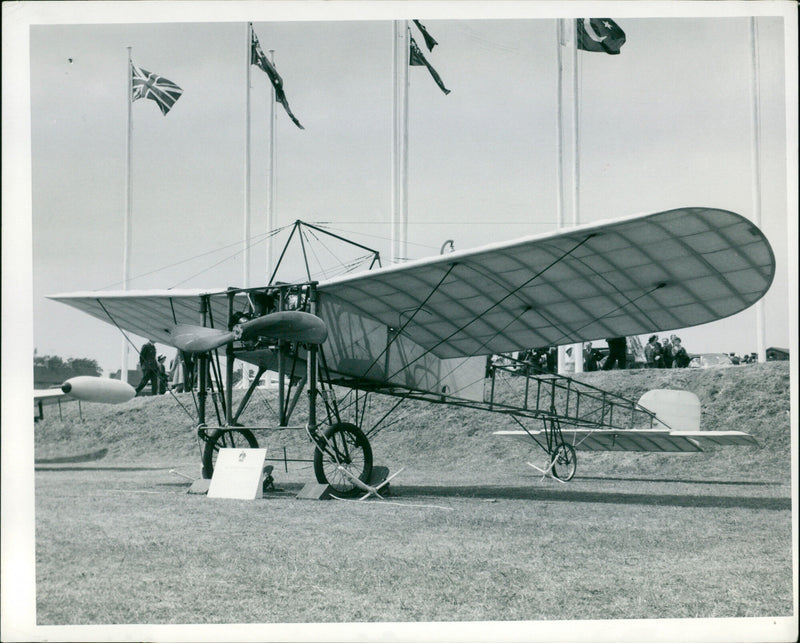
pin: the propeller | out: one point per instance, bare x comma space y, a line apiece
292, 325
98, 389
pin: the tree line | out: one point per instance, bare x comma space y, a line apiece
70, 367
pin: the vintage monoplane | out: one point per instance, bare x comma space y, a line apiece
423, 331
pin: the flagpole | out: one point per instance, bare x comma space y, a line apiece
561, 191
755, 151
404, 148
126, 241
575, 126
577, 349
246, 231
395, 114
271, 178
399, 214
560, 125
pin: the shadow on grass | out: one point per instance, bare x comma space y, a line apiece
83, 457
38, 467
751, 483
500, 492
528, 492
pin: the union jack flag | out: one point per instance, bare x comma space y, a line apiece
146, 84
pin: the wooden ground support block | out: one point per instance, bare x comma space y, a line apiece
314, 491
200, 486
379, 474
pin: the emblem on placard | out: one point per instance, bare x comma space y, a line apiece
242, 456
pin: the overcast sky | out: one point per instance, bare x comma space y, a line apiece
667, 123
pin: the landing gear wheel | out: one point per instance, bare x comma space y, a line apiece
224, 439
564, 462
343, 446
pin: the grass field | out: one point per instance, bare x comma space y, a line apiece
471, 534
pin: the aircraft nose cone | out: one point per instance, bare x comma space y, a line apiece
66, 387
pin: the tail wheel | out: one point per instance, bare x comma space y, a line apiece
225, 439
343, 454
564, 462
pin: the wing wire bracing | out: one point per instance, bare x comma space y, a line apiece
340, 266
550, 319
628, 302
135, 348
400, 330
713, 263
554, 397
500, 301
551, 398
305, 233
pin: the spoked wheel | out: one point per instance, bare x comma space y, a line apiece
218, 439
343, 448
564, 462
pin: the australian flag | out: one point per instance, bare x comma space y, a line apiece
258, 58
415, 57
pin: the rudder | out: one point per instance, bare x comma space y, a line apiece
677, 410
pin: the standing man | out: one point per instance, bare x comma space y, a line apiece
617, 349
147, 361
666, 352
589, 358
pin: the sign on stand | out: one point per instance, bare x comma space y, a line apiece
238, 473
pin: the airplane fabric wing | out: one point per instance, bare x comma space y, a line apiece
47, 394
152, 314
641, 274
646, 440
718, 438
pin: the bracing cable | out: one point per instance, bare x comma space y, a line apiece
511, 293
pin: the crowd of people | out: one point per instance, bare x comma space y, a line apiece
752, 358
668, 353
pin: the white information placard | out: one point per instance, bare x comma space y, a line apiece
238, 474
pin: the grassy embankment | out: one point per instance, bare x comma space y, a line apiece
440, 438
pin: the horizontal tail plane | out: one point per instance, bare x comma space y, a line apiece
676, 428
